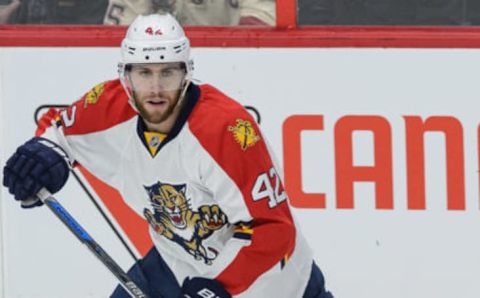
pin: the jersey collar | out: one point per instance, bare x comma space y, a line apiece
191, 99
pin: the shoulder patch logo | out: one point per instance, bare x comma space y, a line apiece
92, 96
244, 134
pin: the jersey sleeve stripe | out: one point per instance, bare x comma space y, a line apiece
272, 230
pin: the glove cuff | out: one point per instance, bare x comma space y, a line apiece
31, 203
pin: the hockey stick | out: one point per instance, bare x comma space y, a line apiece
94, 247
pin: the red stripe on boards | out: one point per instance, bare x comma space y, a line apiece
255, 37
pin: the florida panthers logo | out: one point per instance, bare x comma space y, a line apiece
244, 134
93, 95
174, 219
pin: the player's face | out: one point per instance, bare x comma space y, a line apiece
156, 89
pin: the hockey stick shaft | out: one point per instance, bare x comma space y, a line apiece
103, 214
92, 245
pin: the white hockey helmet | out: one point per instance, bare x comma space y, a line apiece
156, 38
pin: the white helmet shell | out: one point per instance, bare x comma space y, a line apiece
155, 38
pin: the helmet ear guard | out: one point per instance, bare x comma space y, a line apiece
123, 70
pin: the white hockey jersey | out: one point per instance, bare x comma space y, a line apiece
214, 201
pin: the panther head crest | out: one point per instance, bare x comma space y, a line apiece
170, 200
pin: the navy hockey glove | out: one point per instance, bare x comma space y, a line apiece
36, 164
198, 287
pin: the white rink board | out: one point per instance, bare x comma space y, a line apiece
364, 251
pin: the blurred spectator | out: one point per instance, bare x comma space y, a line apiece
385, 12
243, 12
7, 9
196, 12
56, 11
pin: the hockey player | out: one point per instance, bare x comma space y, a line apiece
195, 12
188, 159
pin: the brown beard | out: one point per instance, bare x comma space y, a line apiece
155, 118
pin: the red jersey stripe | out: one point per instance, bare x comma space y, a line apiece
103, 107
273, 229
